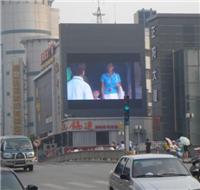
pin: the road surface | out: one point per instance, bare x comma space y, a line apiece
68, 176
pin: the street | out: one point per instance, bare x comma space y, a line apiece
68, 176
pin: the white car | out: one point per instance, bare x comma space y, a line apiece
151, 172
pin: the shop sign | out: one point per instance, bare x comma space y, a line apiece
153, 32
47, 54
154, 52
17, 117
88, 125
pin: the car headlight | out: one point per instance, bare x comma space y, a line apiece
7, 155
30, 154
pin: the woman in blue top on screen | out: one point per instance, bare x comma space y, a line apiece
111, 87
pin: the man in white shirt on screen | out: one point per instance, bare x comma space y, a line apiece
77, 88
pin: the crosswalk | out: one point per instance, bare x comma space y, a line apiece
74, 185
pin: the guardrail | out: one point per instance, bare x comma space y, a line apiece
99, 155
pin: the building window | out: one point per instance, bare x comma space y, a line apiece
7, 73
8, 114
8, 93
30, 124
102, 138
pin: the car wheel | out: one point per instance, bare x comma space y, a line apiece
30, 168
111, 188
25, 168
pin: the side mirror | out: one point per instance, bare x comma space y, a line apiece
125, 177
31, 187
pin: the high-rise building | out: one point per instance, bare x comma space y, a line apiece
187, 81
169, 33
21, 18
141, 17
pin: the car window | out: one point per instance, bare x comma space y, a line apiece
162, 166
127, 167
9, 181
120, 166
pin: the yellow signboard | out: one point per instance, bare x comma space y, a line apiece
17, 115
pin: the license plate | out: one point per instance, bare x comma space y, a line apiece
20, 162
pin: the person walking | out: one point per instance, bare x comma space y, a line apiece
148, 146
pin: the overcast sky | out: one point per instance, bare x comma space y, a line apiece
119, 11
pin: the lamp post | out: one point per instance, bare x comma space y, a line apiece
138, 130
188, 117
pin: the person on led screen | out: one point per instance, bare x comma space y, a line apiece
111, 87
77, 88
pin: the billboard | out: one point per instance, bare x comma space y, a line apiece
103, 77
100, 65
17, 115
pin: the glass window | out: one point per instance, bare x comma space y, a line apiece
159, 167
9, 181
192, 57
102, 138
18, 143
127, 168
120, 166
192, 74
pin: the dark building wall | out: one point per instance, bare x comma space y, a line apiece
169, 32
187, 70
104, 39
43, 94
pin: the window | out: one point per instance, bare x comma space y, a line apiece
7, 73
8, 93
9, 181
120, 166
127, 168
8, 114
102, 138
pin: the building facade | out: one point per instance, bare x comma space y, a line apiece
34, 47
47, 104
187, 80
141, 17
169, 33
20, 19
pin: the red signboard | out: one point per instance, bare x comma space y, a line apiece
48, 53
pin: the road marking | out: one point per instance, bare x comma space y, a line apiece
83, 185
53, 186
101, 182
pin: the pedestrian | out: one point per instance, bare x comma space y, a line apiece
122, 145
148, 146
185, 152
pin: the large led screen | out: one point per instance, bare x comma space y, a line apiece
102, 77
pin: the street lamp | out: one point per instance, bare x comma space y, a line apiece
188, 117
138, 131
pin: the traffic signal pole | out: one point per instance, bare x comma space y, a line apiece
126, 122
126, 135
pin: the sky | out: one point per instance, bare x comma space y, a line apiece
119, 11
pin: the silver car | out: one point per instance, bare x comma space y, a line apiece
151, 172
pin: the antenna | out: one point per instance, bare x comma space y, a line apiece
99, 14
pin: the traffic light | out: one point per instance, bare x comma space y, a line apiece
126, 110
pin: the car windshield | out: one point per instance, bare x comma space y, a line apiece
160, 167
18, 144
9, 181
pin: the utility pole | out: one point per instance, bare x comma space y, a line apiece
126, 122
99, 14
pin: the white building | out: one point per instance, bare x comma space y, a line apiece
21, 18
